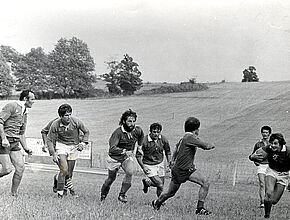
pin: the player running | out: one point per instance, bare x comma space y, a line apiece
184, 169
64, 144
150, 158
277, 174
262, 165
121, 150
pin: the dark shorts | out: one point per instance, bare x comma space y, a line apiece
14, 145
179, 176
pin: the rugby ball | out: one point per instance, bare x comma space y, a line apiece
260, 155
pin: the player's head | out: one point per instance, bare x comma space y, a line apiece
277, 141
27, 96
155, 130
64, 112
128, 120
266, 131
191, 124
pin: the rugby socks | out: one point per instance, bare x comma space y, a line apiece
15, 182
200, 204
125, 187
69, 185
268, 206
149, 183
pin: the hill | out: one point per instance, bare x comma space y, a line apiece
231, 115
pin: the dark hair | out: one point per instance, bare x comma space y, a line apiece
127, 114
267, 128
155, 125
191, 124
279, 137
25, 93
64, 108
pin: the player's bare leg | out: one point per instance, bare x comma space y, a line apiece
270, 186
278, 192
261, 178
172, 189
128, 167
112, 174
18, 162
6, 164
63, 166
196, 177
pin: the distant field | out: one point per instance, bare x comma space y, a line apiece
231, 115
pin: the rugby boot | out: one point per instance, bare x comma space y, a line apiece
145, 186
122, 198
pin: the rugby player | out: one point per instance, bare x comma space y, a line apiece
64, 144
183, 168
121, 151
262, 166
150, 158
71, 163
13, 120
277, 174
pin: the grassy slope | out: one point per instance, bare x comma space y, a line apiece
231, 115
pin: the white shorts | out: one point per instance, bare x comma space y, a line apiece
114, 164
69, 150
155, 170
281, 177
262, 168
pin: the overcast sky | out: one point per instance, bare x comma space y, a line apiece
172, 41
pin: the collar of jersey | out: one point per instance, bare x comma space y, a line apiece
22, 104
150, 139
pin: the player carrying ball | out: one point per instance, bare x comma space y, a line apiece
277, 174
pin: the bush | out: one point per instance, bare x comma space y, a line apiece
182, 87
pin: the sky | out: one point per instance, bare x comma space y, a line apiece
171, 40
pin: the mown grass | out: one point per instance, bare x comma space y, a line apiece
37, 201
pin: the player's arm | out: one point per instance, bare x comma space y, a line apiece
44, 133
85, 132
4, 115
23, 138
201, 144
174, 154
113, 144
51, 141
256, 147
167, 151
84, 138
139, 157
139, 140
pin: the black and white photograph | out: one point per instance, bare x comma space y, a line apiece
145, 109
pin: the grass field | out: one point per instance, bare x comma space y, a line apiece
231, 115
37, 201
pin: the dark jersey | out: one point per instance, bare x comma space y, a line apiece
258, 145
279, 161
153, 150
187, 149
121, 140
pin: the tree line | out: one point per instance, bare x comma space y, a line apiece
66, 72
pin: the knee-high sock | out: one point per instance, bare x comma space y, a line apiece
125, 187
16, 182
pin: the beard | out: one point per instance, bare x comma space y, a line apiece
127, 128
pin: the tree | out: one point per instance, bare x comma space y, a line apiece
10, 54
71, 68
123, 77
32, 72
250, 75
6, 80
